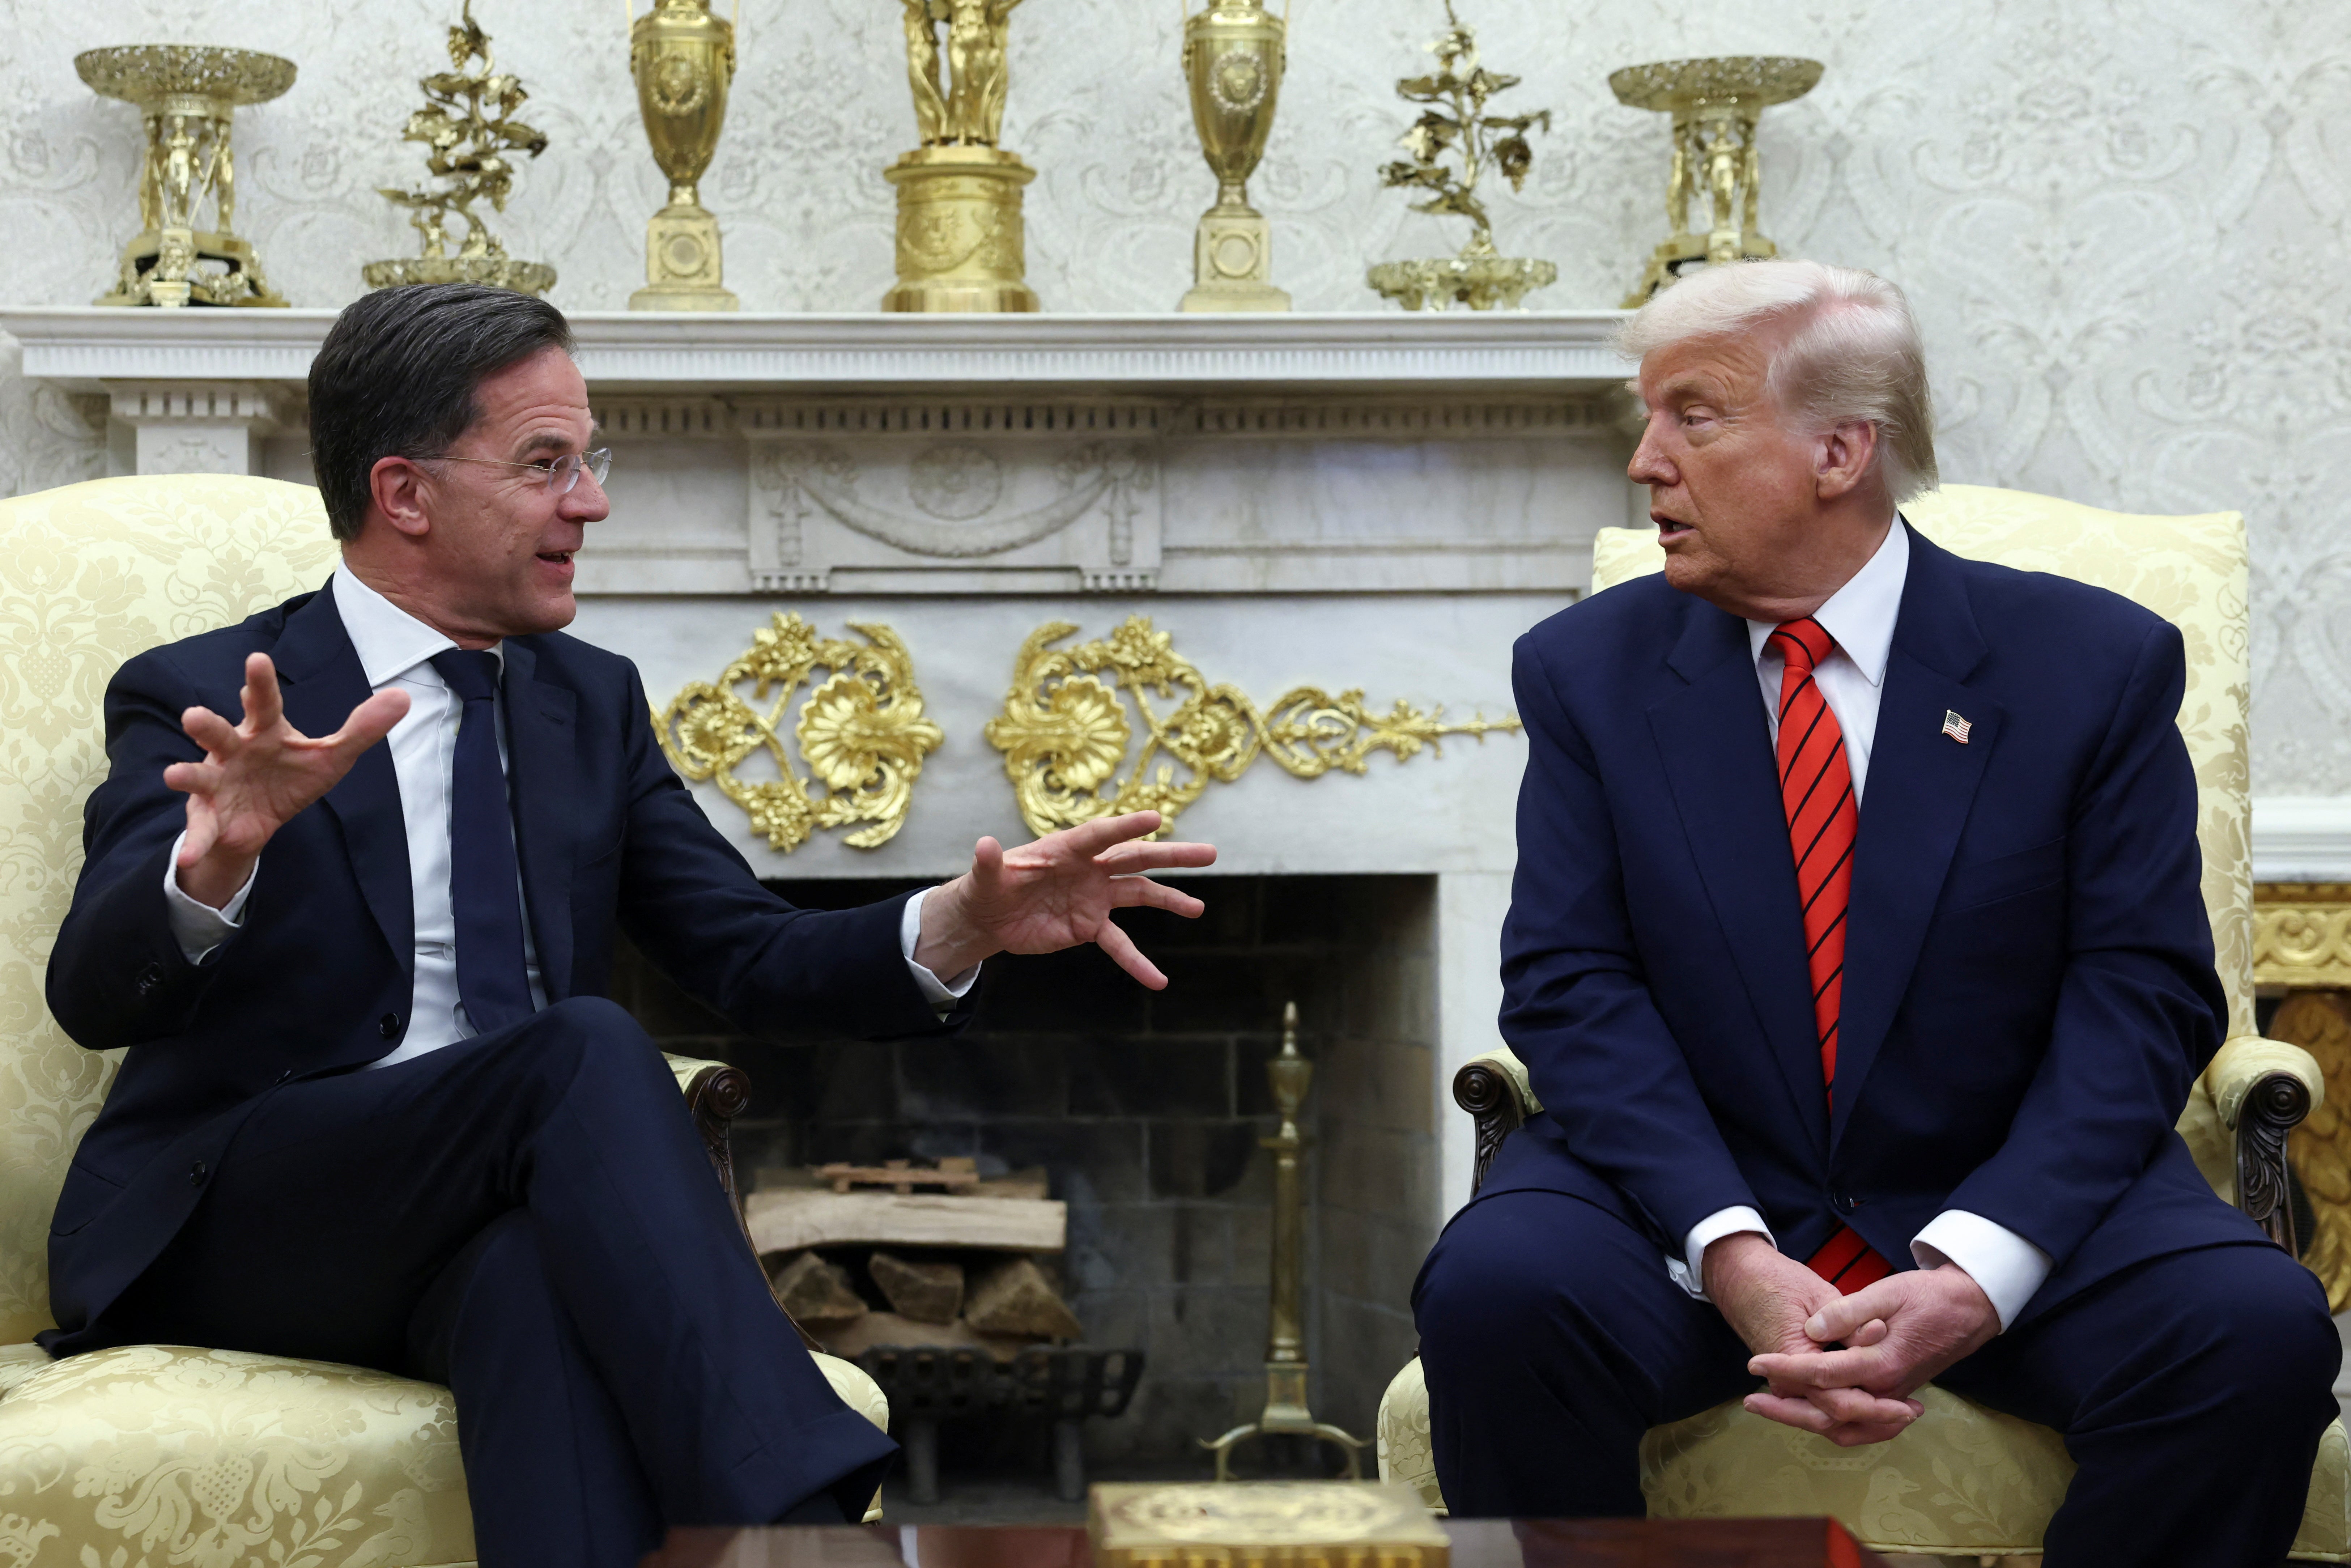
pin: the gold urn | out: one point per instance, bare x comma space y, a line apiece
1234, 53
684, 60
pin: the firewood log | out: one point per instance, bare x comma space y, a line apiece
815, 1292
1015, 1298
926, 1293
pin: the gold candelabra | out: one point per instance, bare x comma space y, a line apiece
187, 95
468, 126
1234, 55
961, 245
1715, 104
1286, 1413
684, 61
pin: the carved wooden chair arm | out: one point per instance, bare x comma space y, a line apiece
1494, 1089
2263, 1089
715, 1094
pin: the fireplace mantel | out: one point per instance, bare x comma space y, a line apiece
88, 349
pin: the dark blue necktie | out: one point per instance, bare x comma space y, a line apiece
483, 892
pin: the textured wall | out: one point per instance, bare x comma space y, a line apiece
2124, 224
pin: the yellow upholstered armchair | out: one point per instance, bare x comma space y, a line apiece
1964, 1480
161, 1454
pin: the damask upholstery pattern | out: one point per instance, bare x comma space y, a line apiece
146, 1456
1964, 1479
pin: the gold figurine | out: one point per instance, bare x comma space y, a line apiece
1234, 54
1715, 104
1289, 1075
1454, 123
960, 244
468, 123
187, 95
684, 60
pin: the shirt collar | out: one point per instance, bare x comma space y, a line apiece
390, 642
1862, 613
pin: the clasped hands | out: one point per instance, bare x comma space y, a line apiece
1843, 1366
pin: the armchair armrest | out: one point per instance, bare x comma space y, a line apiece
2263, 1089
1495, 1091
715, 1094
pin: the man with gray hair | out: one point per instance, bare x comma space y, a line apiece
1859, 957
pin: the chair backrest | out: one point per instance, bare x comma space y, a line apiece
90, 575
2192, 571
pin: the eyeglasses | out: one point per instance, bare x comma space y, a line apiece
562, 473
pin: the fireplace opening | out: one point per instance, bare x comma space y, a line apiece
1144, 1111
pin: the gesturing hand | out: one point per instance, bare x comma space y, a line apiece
1930, 1318
256, 775
1772, 1302
1057, 893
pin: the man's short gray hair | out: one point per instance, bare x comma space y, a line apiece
1851, 354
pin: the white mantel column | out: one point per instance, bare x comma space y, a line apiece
196, 427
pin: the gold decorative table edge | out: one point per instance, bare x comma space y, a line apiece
1278, 1524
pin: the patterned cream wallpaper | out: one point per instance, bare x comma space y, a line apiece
2126, 224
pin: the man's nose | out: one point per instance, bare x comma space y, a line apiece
1649, 465
586, 501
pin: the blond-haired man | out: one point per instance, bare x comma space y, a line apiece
1857, 951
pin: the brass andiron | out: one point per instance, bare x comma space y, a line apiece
1715, 104
468, 123
684, 60
1454, 123
1234, 53
1290, 1074
187, 95
960, 240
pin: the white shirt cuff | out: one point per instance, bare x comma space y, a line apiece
1688, 1270
2004, 1265
940, 994
199, 927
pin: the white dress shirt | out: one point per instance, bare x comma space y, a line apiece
395, 649
1860, 617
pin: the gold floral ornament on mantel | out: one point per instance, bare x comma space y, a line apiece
862, 733
1064, 730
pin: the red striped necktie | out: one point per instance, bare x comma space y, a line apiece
1816, 787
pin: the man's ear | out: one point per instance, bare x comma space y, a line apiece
1843, 456
398, 486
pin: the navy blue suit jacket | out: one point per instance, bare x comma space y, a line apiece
2029, 990
319, 980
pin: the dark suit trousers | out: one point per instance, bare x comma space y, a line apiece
529, 1218
2191, 1389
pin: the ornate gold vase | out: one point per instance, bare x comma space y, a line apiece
684, 60
1234, 54
1715, 104
187, 95
960, 241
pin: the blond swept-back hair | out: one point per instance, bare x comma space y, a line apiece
1850, 353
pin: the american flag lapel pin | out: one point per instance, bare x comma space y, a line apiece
1955, 726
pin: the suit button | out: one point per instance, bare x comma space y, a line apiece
196, 1174
149, 978
1846, 1203
388, 1025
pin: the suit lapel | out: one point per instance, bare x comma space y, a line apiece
1920, 789
541, 766
1716, 746
319, 674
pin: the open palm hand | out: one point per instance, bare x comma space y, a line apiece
1057, 893
256, 775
